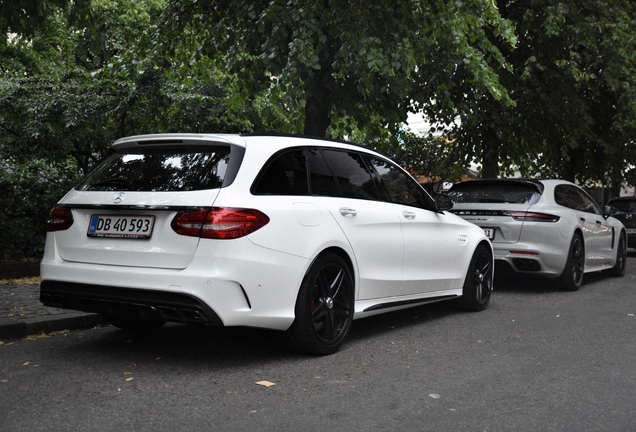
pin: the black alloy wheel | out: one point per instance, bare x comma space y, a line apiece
479, 281
325, 306
572, 277
621, 257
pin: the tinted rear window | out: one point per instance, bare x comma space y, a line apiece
285, 174
160, 170
624, 205
331, 173
491, 192
353, 175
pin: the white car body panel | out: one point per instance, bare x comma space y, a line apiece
428, 269
365, 225
400, 256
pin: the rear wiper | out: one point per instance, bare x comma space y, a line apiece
115, 181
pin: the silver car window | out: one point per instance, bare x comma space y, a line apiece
576, 199
509, 192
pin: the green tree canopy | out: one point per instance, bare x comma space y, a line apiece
575, 91
70, 87
355, 60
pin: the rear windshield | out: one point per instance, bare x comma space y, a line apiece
495, 192
624, 205
160, 170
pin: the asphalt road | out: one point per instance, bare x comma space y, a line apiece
538, 359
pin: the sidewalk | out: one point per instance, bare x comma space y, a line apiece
22, 314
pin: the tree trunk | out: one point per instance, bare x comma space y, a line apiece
318, 105
570, 165
490, 156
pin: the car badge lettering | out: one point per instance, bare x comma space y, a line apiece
119, 197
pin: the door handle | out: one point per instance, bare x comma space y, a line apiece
346, 211
408, 214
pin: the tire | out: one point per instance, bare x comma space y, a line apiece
324, 307
134, 324
479, 281
572, 276
621, 257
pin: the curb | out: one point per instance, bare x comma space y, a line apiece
9, 329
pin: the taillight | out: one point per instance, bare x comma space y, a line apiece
534, 217
218, 222
60, 219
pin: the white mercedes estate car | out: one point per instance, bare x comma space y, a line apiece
296, 234
551, 228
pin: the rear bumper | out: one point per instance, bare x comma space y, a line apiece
246, 286
528, 260
133, 303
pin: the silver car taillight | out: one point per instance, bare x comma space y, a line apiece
534, 217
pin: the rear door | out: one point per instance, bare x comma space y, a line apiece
371, 226
597, 233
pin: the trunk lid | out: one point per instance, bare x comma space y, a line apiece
123, 209
490, 204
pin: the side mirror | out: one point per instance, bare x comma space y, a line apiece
609, 210
443, 202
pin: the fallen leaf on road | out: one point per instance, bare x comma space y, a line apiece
25, 363
266, 383
60, 332
129, 379
36, 337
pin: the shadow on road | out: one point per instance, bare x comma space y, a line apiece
506, 280
216, 346
245, 346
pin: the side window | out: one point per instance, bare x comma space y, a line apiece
284, 174
321, 180
401, 188
589, 205
574, 198
352, 174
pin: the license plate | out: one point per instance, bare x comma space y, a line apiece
490, 233
132, 227
631, 230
